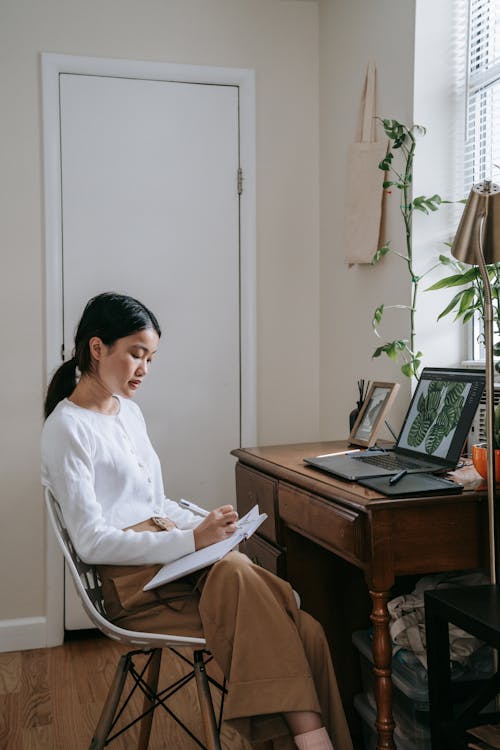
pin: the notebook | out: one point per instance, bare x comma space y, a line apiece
433, 433
208, 555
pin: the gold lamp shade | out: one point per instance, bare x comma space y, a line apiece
483, 203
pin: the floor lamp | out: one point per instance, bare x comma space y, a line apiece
477, 242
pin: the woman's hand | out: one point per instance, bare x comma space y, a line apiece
218, 525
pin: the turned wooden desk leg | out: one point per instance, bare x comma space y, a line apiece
382, 659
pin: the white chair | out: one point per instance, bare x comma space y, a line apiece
88, 588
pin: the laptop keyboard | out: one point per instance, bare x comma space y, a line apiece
389, 461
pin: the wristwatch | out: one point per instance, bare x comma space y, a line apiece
164, 523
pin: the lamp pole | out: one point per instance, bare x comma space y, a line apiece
477, 242
490, 401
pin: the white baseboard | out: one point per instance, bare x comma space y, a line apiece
23, 634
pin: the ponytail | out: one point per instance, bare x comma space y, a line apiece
61, 386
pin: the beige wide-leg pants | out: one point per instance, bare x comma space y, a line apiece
274, 656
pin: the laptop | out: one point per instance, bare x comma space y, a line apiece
434, 430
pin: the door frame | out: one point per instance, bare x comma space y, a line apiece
52, 66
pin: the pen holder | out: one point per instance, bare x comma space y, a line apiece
354, 414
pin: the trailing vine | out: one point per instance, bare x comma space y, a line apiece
403, 141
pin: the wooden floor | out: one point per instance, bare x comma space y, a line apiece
50, 699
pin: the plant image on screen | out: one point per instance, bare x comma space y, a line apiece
431, 423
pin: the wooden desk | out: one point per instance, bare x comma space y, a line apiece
314, 517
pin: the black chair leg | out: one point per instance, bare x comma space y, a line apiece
109, 710
149, 700
206, 705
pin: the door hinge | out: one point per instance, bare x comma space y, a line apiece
62, 352
239, 180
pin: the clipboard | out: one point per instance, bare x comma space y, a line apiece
413, 485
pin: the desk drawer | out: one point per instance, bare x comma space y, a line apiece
264, 554
323, 521
254, 487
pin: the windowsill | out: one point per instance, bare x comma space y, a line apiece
479, 363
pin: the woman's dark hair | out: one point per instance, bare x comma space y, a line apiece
109, 316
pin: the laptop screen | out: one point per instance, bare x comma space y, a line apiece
441, 413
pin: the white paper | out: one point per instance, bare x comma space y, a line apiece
201, 558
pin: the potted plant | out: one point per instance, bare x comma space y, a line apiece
469, 299
467, 302
480, 451
398, 166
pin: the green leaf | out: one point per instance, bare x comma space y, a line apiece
391, 351
395, 347
449, 307
466, 301
385, 164
377, 316
465, 315
388, 183
380, 254
415, 365
420, 207
391, 348
421, 203
457, 279
411, 368
445, 260
393, 129
407, 369
468, 315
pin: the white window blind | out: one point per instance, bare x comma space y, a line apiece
476, 30
482, 126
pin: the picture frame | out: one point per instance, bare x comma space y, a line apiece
371, 417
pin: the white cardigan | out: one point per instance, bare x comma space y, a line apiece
106, 476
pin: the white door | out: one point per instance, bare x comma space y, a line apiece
150, 207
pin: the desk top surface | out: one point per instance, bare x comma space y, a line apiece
286, 462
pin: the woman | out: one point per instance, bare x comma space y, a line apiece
98, 462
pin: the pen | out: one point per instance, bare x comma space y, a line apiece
193, 508
394, 479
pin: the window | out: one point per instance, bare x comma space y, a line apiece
482, 105
482, 126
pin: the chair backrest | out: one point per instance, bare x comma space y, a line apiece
88, 587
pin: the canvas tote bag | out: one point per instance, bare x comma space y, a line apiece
364, 192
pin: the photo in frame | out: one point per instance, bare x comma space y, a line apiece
375, 408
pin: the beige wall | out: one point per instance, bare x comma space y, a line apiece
277, 38
313, 312
352, 33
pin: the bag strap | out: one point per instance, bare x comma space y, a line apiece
365, 131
